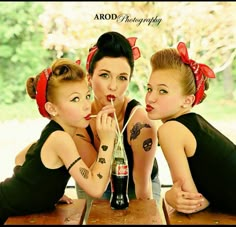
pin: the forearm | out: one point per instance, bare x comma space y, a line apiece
100, 170
183, 201
143, 189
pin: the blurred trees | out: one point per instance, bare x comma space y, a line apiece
40, 31
21, 52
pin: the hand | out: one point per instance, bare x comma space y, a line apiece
185, 202
106, 125
65, 199
111, 109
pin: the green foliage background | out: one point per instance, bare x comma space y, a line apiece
22, 54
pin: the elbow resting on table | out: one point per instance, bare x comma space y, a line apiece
97, 194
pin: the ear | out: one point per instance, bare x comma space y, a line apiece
89, 77
188, 101
51, 109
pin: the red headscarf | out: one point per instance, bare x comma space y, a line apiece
132, 41
41, 90
199, 71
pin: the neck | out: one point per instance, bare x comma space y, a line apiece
185, 111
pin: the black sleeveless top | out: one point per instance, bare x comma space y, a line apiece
127, 147
33, 187
213, 166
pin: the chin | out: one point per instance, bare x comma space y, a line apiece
152, 116
85, 125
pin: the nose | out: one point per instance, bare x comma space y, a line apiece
87, 105
113, 84
151, 97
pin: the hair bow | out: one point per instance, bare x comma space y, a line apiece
132, 41
199, 71
41, 90
92, 51
135, 50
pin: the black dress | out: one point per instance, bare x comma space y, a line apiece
33, 187
213, 165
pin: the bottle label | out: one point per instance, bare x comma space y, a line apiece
122, 170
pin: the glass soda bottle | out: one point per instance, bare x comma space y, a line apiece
119, 176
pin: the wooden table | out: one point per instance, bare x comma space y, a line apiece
64, 214
138, 212
206, 217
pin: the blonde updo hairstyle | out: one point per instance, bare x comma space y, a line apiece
63, 70
170, 59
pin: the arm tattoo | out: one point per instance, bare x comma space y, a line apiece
76, 160
147, 144
99, 175
102, 160
84, 172
104, 147
135, 131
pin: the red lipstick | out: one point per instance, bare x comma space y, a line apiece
88, 117
110, 97
149, 108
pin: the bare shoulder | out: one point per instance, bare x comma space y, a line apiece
60, 139
57, 147
173, 130
170, 126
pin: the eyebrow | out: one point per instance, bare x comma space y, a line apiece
78, 93
105, 70
157, 85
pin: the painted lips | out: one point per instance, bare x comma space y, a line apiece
88, 117
149, 108
110, 97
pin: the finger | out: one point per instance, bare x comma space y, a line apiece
109, 111
104, 119
99, 119
188, 211
109, 120
191, 195
109, 106
191, 204
190, 207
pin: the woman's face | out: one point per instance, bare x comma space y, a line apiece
110, 79
73, 103
164, 96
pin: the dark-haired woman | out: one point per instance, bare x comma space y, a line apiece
110, 66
